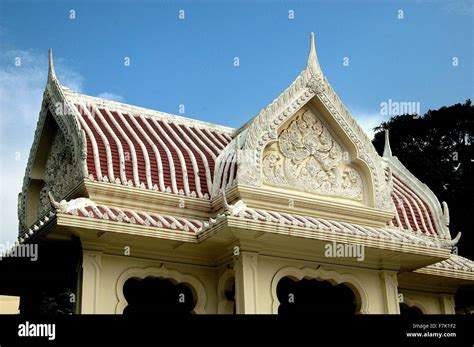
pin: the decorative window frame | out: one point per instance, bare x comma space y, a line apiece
414, 303
332, 276
161, 272
223, 304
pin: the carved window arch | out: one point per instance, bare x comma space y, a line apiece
193, 283
362, 299
226, 293
415, 306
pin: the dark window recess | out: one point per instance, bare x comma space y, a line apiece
157, 295
313, 296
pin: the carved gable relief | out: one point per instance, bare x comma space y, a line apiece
307, 157
59, 173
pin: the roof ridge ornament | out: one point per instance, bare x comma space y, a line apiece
51, 72
313, 64
387, 151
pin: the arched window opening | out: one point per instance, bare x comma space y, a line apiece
410, 310
229, 293
313, 296
157, 295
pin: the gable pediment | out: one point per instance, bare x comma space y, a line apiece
308, 157
276, 148
56, 161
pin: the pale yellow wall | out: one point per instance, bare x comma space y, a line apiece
270, 269
430, 303
257, 274
112, 267
9, 304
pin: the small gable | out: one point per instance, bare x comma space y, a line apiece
308, 157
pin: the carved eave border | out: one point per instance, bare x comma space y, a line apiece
147, 200
309, 204
447, 273
424, 191
246, 225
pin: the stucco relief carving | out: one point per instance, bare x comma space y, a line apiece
307, 157
60, 173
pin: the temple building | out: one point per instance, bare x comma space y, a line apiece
138, 210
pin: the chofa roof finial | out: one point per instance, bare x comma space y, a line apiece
387, 151
51, 72
313, 63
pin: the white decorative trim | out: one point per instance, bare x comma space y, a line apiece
224, 306
208, 140
91, 267
194, 164
110, 169
148, 113
389, 287
131, 147
162, 272
54, 99
426, 194
420, 208
182, 161
95, 149
118, 143
332, 276
72, 205
142, 147
155, 151
198, 139
201, 154
414, 303
168, 154
307, 157
263, 128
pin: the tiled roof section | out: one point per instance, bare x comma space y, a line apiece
456, 263
286, 219
146, 151
413, 213
140, 218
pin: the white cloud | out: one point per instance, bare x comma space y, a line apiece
368, 120
21, 92
456, 7
110, 96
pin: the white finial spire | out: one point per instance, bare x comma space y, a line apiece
51, 72
387, 151
313, 63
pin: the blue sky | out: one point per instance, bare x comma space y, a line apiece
190, 61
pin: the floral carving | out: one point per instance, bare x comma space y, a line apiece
316, 85
307, 157
60, 175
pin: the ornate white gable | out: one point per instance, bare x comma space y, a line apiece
307, 157
250, 145
59, 173
64, 167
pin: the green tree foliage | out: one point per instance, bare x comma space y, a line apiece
437, 148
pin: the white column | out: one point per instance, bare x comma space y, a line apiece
91, 268
389, 286
246, 275
446, 304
